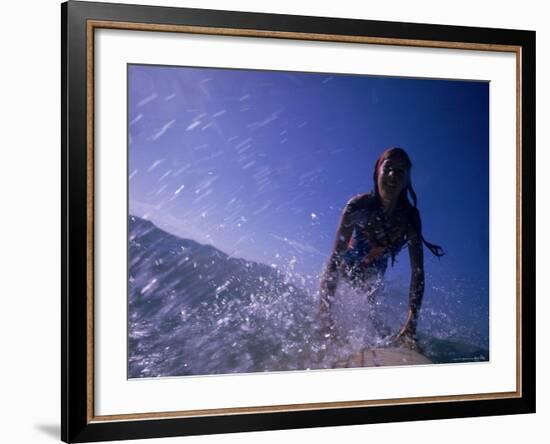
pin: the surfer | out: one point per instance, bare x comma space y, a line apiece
373, 228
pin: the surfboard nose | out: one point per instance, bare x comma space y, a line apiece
382, 357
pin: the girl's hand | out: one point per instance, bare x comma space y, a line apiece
326, 320
405, 338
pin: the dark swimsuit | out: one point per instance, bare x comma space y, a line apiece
374, 239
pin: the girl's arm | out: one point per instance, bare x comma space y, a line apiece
329, 279
416, 290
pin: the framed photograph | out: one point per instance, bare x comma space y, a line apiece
275, 221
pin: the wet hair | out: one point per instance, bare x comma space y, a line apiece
408, 191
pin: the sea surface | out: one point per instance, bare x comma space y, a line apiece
194, 310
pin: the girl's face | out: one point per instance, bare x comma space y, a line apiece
393, 176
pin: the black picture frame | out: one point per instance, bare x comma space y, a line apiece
78, 423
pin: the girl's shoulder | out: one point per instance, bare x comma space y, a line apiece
362, 202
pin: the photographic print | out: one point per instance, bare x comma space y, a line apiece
295, 221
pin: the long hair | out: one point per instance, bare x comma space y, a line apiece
407, 192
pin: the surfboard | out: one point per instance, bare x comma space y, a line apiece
380, 357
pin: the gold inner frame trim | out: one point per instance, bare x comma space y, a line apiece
300, 407
95, 24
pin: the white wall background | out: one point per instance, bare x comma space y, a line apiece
30, 218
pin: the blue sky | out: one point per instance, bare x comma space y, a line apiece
260, 163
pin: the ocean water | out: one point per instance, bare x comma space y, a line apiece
193, 310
